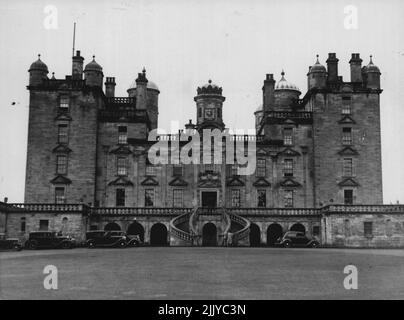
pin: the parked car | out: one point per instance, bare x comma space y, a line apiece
99, 238
49, 239
9, 243
297, 239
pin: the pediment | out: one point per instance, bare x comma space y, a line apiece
347, 120
61, 180
122, 149
346, 88
261, 183
348, 182
289, 152
149, 181
235, 182
121, 181
290, 183
348, 151
288, 121
61, 149
63, 117
261, 152
178, 182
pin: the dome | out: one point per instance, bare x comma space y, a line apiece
93, 66
372, 67
209, 88
283, 84
150, 85
318, 67
39, 65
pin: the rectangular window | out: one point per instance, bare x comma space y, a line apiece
62, 133
288, 136
348, 197
149, 198
261, 167
288, 168
122, 166
60, 197
316, 231
262, 198
347, 167
235, 198
122, 135
346, 105
150, 170
346, 136
120, 197
177, 170
23, 224
64, 102
368, 228
43, 225
61, 164
178, 198
288, 200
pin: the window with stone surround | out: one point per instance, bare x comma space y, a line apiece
61, 164
288, 168
63, 134
178, 198
23, 224
346, 106
288, 136
288, 198
235, 198
368, 229
348, 196
122, 166
262, 198
347, 167
60, 196
64, 102
122, 135
150, 170
120, 197
149, 198
43, 225
261, 167
316, 231
346, 136
177, 170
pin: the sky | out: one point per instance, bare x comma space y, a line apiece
184, 43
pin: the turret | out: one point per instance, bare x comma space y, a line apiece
285, 93
332, 67
356, 68
317, 76
372, 73
93, 74
77, 66
110, 87
37, 72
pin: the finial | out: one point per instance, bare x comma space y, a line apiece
371, 62
53, 75
39, 56
93, 57
144, 70
317, 58
282, 73
210, 81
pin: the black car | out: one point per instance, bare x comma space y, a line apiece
100, 238
9, 243
131, 240
296, 239
49, 239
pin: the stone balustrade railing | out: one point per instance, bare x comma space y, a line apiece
47, 207
274, 211
140, 211
395, 208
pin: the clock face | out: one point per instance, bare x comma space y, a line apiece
209, 114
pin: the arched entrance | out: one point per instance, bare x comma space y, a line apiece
158, 235
274, 231
209, 235
255, 235
112, 226
136, 229
298, 227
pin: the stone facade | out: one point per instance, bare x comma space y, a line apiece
91, 149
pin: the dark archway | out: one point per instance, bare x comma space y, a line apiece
298, 227
274, 232
255, 235
112, 226
158, 235
136, 229
209, 235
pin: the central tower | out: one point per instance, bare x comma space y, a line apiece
209, 106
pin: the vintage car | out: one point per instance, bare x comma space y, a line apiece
9, 243
296, 239
131, 240
49, 239
99, 238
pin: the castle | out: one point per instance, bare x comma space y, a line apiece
317, 170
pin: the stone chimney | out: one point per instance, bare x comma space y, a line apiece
141, 91
110, 87
268, 91
77, 66
356, 68
332, 67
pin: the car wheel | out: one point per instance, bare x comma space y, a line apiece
32, 245
122, 244
314, 245
91, 245
66, 245
287, 244
17, 247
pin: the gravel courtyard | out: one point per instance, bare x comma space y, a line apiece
202, 273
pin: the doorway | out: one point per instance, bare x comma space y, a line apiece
209, 235
209, 199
